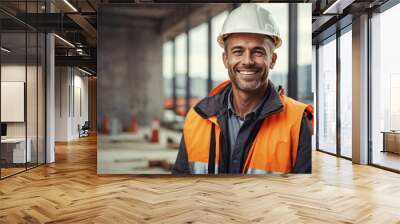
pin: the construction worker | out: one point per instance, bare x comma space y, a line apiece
244, 126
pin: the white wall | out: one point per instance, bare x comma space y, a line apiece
80, 104
16, 73
61, 103
33, 125
71, 87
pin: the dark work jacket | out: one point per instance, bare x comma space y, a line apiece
218, 105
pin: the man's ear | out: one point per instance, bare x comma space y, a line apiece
273, 60
225, 59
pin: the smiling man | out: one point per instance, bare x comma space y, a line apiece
244, 126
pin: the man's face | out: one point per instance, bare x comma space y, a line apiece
248, 58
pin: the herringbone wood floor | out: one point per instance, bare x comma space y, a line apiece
70, 191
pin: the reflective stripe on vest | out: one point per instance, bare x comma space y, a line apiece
257, 171
274, 149
200, 168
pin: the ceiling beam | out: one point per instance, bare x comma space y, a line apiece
337, 6
321, 20
196, 13
86, 27
49, 22
85, 61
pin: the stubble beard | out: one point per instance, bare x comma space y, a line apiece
243, 86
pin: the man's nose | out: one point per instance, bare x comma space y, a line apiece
247, 59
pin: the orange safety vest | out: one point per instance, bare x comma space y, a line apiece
274, 149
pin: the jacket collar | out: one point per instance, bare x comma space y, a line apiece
217, 104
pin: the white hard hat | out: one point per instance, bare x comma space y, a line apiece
250, 18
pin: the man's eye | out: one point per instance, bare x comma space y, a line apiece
237, 52
259, 53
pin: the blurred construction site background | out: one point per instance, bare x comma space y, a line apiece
155, 61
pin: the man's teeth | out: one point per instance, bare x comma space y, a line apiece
247, 72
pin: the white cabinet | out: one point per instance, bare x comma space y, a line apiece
17, 146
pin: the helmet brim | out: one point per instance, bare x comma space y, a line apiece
276, 39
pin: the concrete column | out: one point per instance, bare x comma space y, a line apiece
50, 92
360, 90
129, 70
50, 99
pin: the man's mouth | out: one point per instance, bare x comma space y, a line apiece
247, 72
248, 75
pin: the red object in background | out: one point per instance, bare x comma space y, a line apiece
133, 127
155, 131
105, 126
180, 104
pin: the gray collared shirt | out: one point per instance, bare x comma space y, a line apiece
235, 122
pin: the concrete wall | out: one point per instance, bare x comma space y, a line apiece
129, 67
71, 102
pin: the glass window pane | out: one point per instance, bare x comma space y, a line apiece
198, 62
167, 73
327, 96
23, 86
346, 94
13, 87
304, 53
280, 12
31, 97
218, 71
385, 88
31, 90
314, 90
180, 66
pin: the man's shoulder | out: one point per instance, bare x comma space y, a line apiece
291, 101
194, 117
292, 105
211, 105
195, 123
193, 114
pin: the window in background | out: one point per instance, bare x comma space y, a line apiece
314, 87
346, 94
327, 96
219, 73
280, 12
167, 74
304, 53
198, 61
180, 66
385, 84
